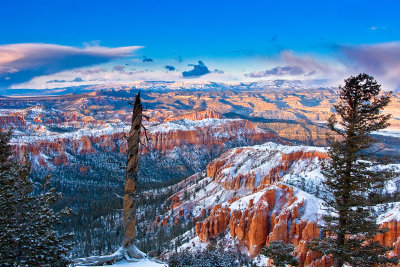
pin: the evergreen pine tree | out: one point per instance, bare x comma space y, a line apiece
280, 253
27, 235
350, 176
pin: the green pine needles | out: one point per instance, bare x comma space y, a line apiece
280, 253
27, 236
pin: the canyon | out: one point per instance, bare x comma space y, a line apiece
231, 166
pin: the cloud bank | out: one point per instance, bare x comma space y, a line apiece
308, 63
75, 80
379, 60
20, 63
278, 71
51, 66
300, 67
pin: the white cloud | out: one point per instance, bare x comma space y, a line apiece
20, 63
376, 28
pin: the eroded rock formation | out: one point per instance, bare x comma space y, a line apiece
213, 137
254, 207
273, 215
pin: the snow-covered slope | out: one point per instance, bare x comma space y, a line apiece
139, 263
119, 258
254, 195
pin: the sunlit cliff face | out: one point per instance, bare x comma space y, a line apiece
250, 196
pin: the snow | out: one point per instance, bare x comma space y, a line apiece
139, 263
261, 159
193, 244
392, 214
189, 125
313, 206
143, 262
121, 259
243, 203
389, 132
47, 135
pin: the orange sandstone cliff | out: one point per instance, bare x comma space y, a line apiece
244, 199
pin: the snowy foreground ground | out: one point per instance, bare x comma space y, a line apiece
142, 262
119, 257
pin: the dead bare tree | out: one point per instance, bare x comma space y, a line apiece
128, 251
132, 167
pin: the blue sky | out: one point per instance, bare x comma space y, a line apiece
234, 37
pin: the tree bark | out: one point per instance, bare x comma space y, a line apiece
129, 221
128, 251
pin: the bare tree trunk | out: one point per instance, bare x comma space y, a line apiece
129, 221
128, 251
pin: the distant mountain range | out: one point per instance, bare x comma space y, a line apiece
160, 86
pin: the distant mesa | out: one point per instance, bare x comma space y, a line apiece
196, 116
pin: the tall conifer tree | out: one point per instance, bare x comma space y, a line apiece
351, 178
27, 235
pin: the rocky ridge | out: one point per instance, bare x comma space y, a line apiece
204, 129
247, 197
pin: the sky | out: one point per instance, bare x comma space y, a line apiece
51, 44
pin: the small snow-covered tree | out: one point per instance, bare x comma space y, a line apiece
280, 253
213, 256
27, 221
